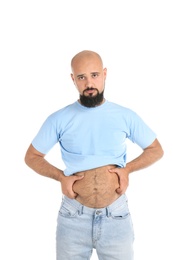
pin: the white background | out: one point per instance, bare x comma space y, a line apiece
37, 41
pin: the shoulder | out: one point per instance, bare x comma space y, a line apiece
120, 108
63, 111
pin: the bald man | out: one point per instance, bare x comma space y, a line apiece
92, 135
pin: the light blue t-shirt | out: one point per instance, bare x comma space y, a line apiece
92, 137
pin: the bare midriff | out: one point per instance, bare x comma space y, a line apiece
98, 187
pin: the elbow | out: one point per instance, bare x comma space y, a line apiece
161, 152
28, 156
26, 159
159, 149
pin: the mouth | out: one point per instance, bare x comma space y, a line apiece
90, 91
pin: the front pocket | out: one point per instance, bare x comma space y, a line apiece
68, 211
121, 212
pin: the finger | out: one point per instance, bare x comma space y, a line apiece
119, 191
78, 177
72, 194
112, 170
115, 172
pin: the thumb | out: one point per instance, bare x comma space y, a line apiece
119, 190
78, 177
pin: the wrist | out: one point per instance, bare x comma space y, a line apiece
61, 176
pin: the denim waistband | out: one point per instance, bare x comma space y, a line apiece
92, 211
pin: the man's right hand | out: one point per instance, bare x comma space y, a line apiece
67, 185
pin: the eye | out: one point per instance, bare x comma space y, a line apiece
81, 77
95, 75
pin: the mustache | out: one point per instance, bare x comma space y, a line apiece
88, 88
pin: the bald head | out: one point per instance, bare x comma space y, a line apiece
86, 56
89, 77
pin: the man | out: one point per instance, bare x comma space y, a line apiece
92, 134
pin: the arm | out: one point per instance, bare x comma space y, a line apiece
150, 155
36, 161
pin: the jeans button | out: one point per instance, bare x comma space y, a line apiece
98, 212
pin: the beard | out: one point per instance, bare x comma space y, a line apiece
92, 101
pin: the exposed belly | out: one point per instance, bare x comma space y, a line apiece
98, 187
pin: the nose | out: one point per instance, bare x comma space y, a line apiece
88, 84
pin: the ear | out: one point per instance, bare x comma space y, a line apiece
72, 77
105, 72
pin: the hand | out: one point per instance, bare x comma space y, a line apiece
123, 176
67, 185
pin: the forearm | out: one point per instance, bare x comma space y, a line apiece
40, 165
149, 156
36, 161
140, 162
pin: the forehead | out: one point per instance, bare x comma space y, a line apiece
86, 62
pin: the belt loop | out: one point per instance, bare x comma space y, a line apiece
108, 213
80, 210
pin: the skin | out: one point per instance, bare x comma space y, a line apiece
97, 187
88, 71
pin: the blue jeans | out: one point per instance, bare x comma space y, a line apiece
80, 229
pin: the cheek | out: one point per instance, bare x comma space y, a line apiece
80, 88
101, 85
80, 83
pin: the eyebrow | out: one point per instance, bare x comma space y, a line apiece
96, 72
81, 75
